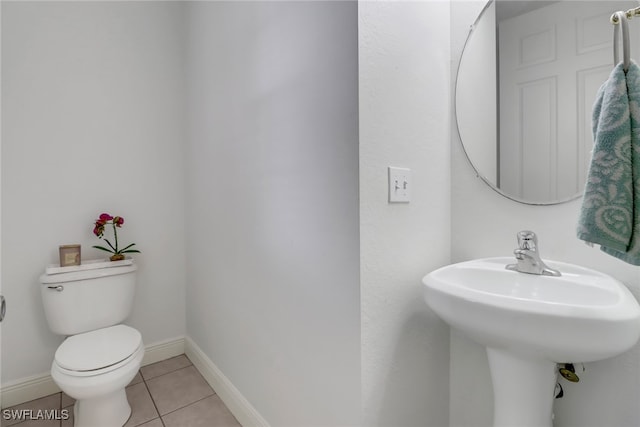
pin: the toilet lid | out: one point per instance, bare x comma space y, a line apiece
98, 349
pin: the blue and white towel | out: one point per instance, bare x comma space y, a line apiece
610, 214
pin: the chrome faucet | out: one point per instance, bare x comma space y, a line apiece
528, 256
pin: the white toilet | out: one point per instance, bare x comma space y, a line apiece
100, 356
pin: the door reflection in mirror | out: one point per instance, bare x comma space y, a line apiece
526, 84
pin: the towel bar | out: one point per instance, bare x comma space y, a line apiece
626, 48
629, 13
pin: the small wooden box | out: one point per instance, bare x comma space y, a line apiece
69, 255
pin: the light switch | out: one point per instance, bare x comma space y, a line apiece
399, 185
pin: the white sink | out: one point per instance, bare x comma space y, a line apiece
529, 323
580, 316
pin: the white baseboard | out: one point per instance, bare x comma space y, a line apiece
37, 386
163, 350
240, 407
26, 389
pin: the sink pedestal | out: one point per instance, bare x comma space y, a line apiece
581, 316
523, 389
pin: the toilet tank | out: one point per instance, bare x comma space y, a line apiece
82, 301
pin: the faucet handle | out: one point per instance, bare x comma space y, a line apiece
527, 240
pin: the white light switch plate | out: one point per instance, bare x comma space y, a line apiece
399, 185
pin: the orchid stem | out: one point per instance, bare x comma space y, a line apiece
115, 236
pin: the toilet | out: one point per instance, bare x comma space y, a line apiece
100, 355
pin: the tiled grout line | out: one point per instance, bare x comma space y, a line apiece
146, 386
182, 407
168, 372
186, 406
152, 400
144, 380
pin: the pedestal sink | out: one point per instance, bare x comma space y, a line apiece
530, 323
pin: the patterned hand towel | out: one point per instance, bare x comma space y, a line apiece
610, 214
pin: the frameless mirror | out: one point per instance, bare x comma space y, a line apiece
527, 80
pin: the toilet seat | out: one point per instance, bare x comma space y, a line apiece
98, 352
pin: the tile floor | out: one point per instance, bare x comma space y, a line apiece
171, 393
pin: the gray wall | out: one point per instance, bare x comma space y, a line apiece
273, 290
92, 122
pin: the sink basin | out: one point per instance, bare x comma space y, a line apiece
529, 323
581, 316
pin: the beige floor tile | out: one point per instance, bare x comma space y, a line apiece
178, 389
165, 366
40, 423
137, 379
69, 421
153, 423
67, 400
45, 403
209, 412
142, 407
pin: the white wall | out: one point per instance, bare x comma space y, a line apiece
273, 289
272, 184
92, 121
404, 121
485, 224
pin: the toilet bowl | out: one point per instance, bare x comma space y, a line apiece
100, 355
94, 368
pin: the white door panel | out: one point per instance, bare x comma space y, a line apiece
550, 69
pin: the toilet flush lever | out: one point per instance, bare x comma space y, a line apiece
58, 288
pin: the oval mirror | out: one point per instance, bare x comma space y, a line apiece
526, 83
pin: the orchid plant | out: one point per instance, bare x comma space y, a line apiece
116, 222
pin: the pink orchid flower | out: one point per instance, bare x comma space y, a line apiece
116, 222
